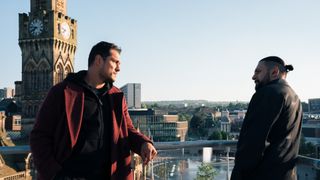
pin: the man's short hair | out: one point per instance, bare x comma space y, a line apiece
103, 49
272, 61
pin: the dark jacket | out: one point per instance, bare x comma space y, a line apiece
269, 139
57, 128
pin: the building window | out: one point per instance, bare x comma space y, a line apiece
60, 74
33, 80
36, 46
17, 122
59, 32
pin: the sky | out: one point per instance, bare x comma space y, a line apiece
187, 49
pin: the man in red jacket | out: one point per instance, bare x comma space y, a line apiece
83, 129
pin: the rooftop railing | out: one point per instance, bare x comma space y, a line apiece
173, 145
306, 163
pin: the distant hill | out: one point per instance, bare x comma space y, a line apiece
192, 103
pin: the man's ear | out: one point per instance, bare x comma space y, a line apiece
98, 60
275, 72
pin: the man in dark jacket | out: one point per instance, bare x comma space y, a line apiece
83, 129
269, 139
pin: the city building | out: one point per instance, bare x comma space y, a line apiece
311, 132
314, 106
225, 113
18, 91
47, 39
132, 92
11, 124
6, 93
231, 122
158, 126
2, 119
225, 126
216, 115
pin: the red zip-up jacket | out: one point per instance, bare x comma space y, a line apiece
58, 124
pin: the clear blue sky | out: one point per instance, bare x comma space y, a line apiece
187, 49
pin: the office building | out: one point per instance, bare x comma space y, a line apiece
6, 93
314, 106
158, 126
132, 92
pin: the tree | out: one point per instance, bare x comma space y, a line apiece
184, 117
197, 125
143, 105
196, 122
206, 171
237, 106
154, 106
216, 135
224, 135
307, 148
209, 122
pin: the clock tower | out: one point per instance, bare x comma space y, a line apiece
47, 38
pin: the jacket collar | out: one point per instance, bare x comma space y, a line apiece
277, 81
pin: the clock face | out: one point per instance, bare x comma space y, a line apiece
36, 27
65, 30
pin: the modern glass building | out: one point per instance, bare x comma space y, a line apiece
159, 127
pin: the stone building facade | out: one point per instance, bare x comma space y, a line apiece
47, 39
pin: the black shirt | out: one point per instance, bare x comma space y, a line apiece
90, 158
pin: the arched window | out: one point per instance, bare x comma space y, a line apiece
46, 77
34, 80
43, 75
67, 70
60, 73
29, 76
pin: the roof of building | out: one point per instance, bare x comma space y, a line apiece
5, 103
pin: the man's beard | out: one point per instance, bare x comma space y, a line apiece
106, 79
262, 83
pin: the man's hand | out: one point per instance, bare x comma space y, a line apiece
148, 152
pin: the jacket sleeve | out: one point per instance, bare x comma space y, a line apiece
41, 136
263, 111
136, 139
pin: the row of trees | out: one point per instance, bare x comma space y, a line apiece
308, 149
